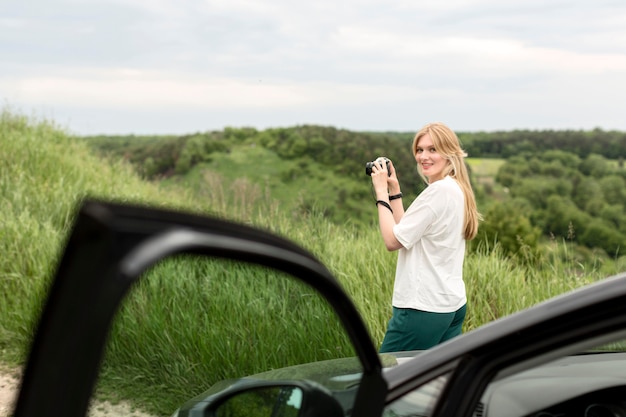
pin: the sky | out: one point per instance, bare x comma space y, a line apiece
185, 66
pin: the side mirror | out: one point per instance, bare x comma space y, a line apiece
282, 400
290, 399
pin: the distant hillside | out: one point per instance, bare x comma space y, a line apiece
305, 168
320, 169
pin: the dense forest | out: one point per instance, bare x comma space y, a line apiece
344, 152
566, 185
610, 144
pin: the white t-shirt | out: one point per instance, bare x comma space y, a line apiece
429, 273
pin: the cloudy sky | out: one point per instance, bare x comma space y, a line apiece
157, 66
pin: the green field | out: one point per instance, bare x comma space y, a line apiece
485, 167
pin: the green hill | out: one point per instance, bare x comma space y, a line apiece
305, 168
170, 340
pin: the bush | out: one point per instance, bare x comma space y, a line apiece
506, 224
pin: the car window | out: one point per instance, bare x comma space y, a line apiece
585, 378
191, 322
590, 382
419, 402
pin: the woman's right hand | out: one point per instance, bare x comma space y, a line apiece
393, 184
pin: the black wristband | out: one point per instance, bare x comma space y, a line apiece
395, 196
384, 203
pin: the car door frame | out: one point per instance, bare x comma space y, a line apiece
109, 247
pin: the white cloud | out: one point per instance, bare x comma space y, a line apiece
288, 60
419, 53
125, 88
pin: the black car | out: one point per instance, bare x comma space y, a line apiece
563, 357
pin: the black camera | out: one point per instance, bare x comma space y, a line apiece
368, 167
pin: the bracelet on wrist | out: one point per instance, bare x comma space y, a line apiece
395, 196
384, 203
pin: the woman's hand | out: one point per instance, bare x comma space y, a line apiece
384, 181
393, 183
380, 176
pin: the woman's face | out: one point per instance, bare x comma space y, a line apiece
430, 161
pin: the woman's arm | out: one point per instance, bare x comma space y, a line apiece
389, 212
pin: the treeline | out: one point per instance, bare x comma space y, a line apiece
504, 144
341, 151
346, 151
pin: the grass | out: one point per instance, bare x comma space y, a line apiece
191, 322
485, 167
484, 171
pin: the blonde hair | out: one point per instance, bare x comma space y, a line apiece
447, 144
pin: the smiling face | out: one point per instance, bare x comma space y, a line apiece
431, 163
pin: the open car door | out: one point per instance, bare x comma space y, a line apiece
110, 246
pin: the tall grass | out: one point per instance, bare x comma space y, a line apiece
191, 322
43, 175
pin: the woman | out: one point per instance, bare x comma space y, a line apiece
429, 293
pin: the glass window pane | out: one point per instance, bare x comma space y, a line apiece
419, 402
588, 383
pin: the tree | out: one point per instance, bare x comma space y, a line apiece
538, 189
600, 234
616, 216
562, 218
614, 189
567, 159
595, 165
507, 224
587, 190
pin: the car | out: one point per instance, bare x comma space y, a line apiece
563, 357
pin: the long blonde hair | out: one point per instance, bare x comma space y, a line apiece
447, 145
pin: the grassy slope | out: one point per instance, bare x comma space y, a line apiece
43, 176
47, 174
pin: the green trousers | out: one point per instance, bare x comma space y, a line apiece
410, 329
